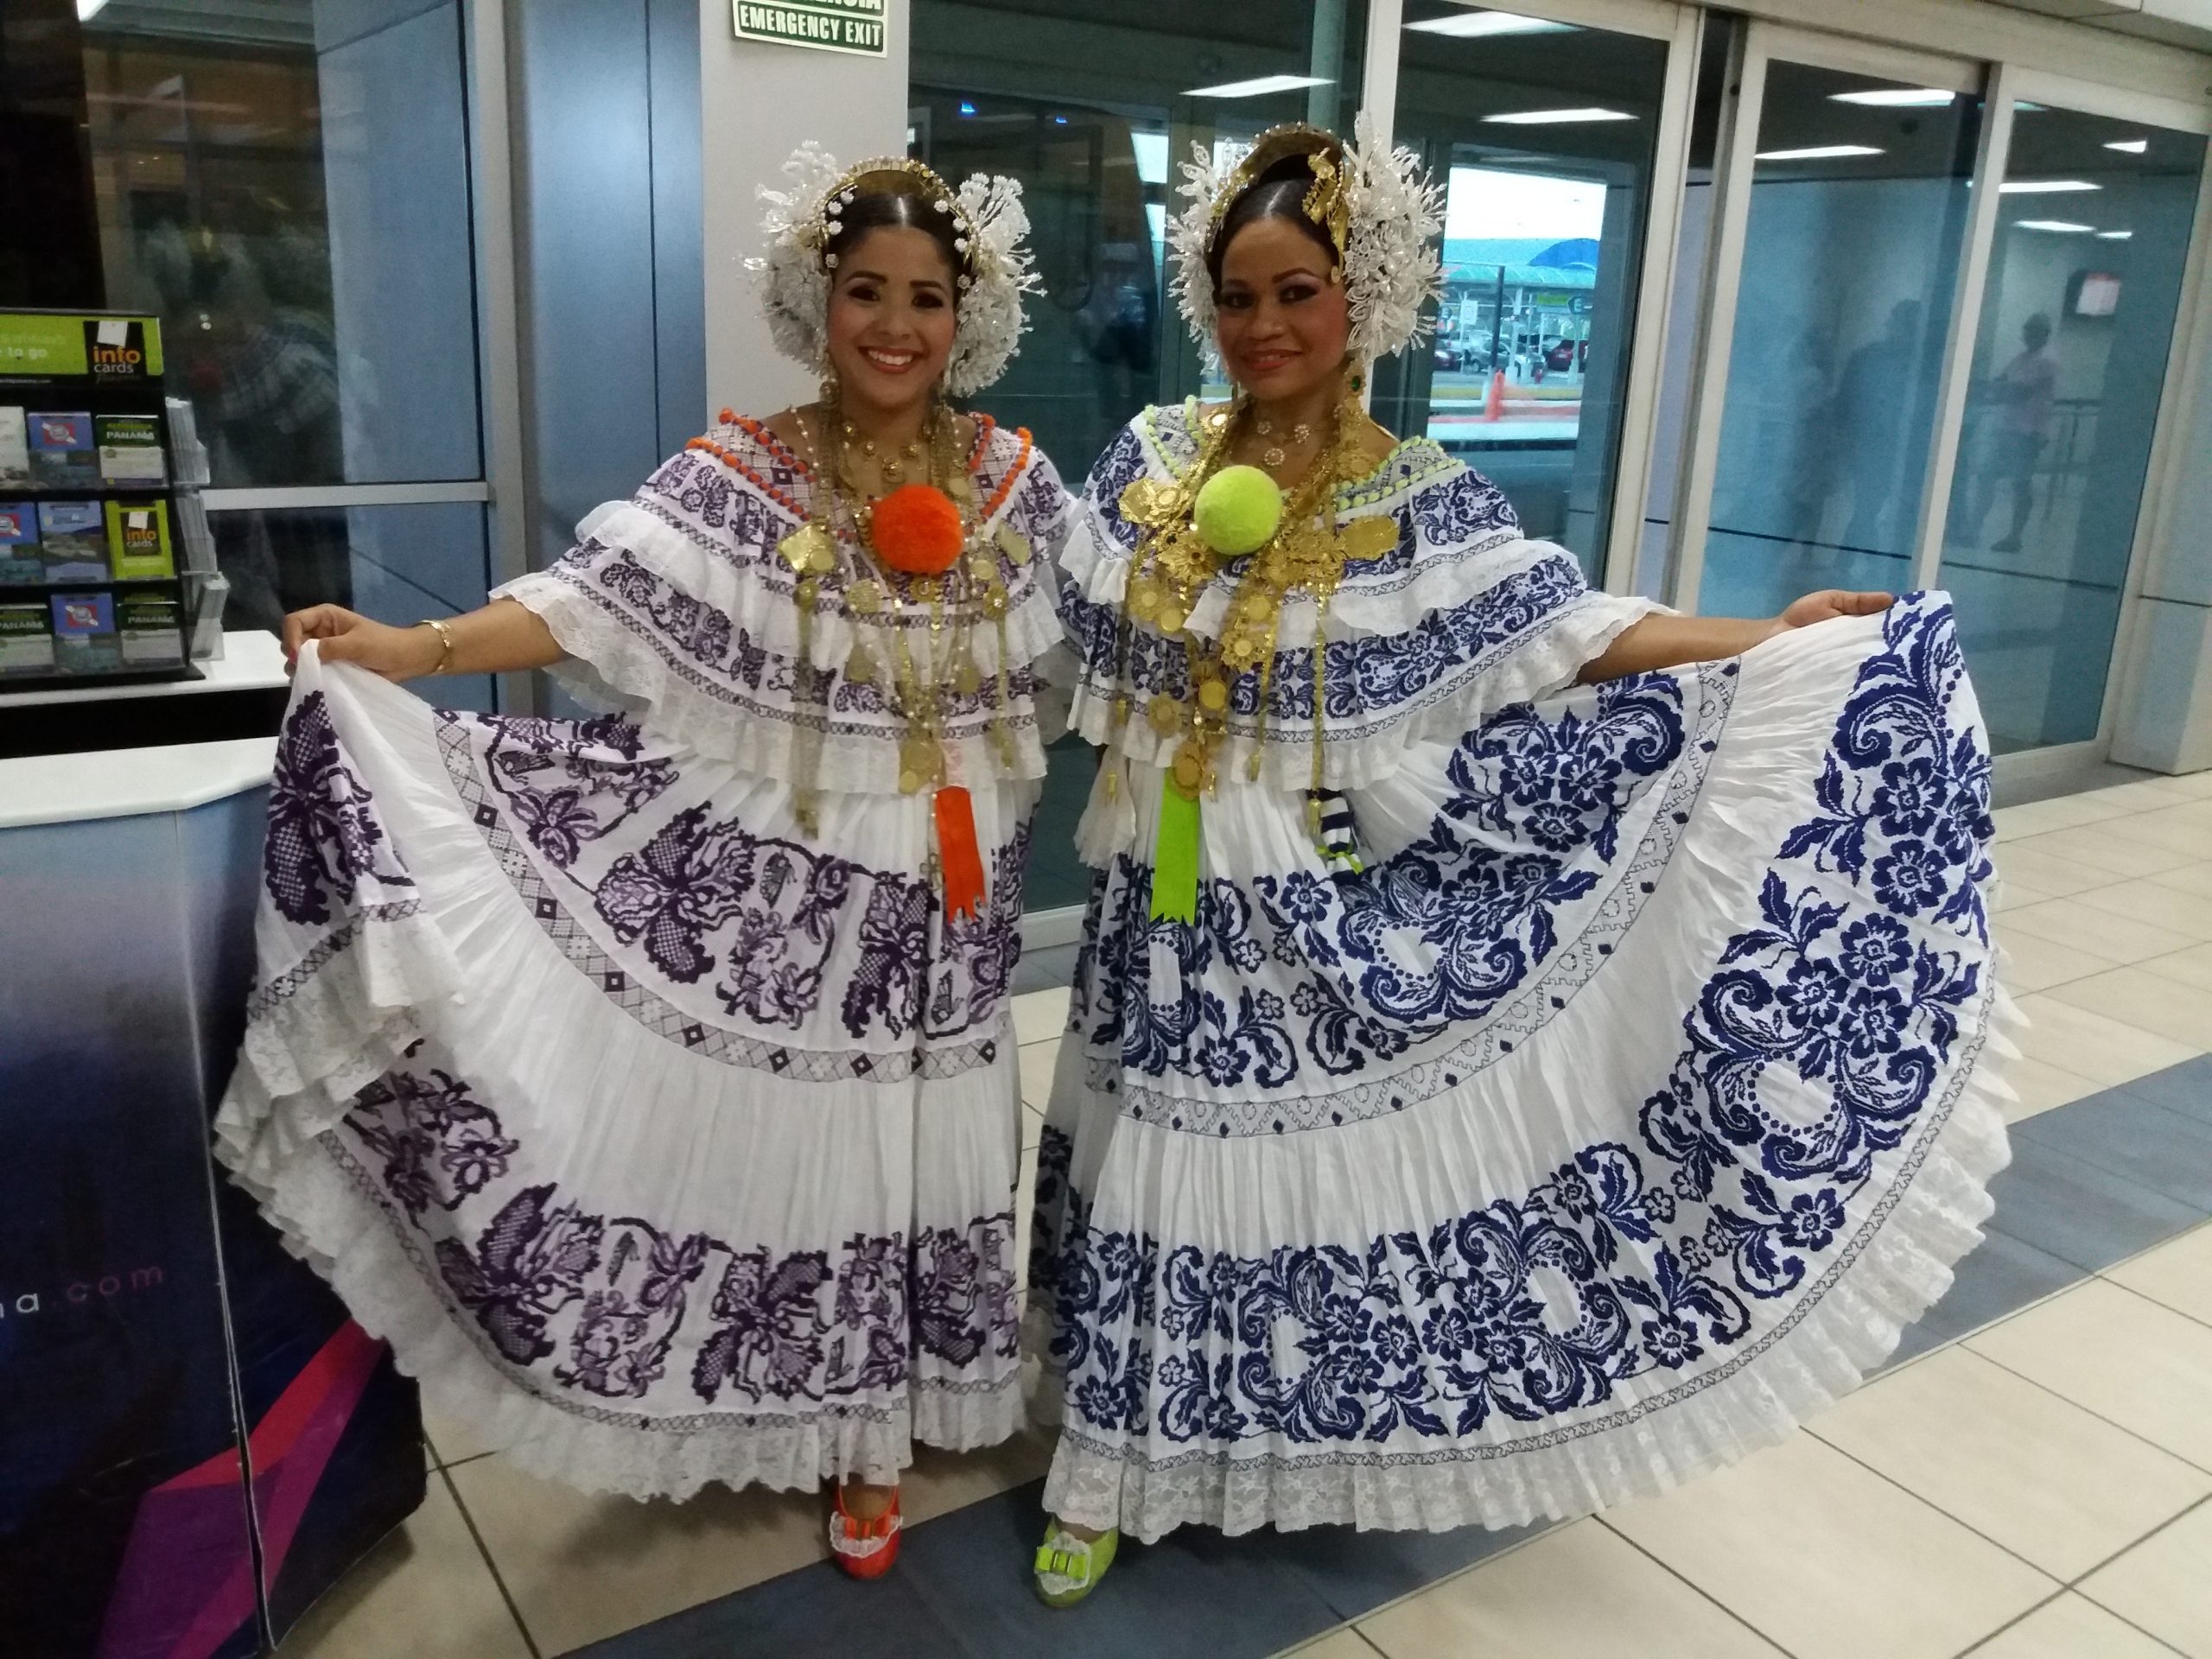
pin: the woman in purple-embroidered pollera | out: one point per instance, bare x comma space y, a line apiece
647, 1081
1528, 1045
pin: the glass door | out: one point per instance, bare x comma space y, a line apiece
1543, 129
1846, 199
2069, 358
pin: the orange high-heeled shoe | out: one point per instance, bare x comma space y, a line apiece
864, 1550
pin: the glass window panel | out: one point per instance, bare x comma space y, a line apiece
1542, 243
1092, 107
1693, 260
286, 185
1850, 255
397, 564
2084, 278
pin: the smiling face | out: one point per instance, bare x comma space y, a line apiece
890, 319
1282, 326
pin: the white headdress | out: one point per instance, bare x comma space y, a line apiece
801, 222
1375, 204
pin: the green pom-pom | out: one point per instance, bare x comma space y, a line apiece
1237, 511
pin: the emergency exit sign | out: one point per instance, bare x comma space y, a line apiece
826, 25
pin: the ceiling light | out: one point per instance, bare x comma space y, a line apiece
2132, 146
1897, 98
1816, 153
1557, 117
2065, 225
88, 10
1473, 25
2045, 186
2114, 235
1259, 87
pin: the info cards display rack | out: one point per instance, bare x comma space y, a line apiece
93, 573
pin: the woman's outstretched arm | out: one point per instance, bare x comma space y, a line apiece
500, 638
1670, 641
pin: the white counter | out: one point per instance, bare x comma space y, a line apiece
122, 783
251, 661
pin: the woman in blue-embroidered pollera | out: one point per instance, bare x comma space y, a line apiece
647, 1081
1528, 1046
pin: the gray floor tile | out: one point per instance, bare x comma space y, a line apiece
2133, 1137
815, 1612
1045, 970
2186, 1088
1357, 1572
1999, 1277
2078, 1212
1193, 1595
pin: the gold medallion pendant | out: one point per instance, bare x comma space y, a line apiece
808, 549
921, 763
1371, 538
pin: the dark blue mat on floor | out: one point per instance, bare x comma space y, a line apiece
2090, 1184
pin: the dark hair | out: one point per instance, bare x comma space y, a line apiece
1279, 193
877, 210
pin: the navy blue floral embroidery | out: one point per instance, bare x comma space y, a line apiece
439, 1143
1628, 1261
1370, 675
323, 832
690, 878
1437, 934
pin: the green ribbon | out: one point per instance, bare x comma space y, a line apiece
1175, 855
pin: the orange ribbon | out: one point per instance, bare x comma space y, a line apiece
958, 857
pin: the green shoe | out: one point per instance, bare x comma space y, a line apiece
1068, 1569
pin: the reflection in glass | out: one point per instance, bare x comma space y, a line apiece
286, 186
1542, 134
1858, 203
2084, 278
1093, 107
397, 564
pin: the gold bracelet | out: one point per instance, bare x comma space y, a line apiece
445, 639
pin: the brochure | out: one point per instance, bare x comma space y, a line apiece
83, 634
15, 448
26, 639
73, 541
131, 450
152, 630
138, 541
19, 560
62, 456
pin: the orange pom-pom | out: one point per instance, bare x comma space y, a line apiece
917, 530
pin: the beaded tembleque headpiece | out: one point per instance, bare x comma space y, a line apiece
990, 225
1376, 205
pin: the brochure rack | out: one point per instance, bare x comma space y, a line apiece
103, 544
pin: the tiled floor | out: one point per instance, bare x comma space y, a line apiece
2031, 1478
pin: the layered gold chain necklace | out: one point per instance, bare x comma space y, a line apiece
1175, 564
951, 602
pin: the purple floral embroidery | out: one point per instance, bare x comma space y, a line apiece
689, 879
557, 775
440, 1145
322, 833
888, 982
781, 944
769, 1343
529, 1264
623, 1334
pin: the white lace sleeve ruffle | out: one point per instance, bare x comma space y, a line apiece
1464, 617
676, 607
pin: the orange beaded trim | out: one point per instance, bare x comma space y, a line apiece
736, 463
1013, 473
984, 427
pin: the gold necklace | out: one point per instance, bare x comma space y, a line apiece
1273, 456
1172, 567
892, 466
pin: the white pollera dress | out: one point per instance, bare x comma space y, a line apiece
666, 1141
1615, 1118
